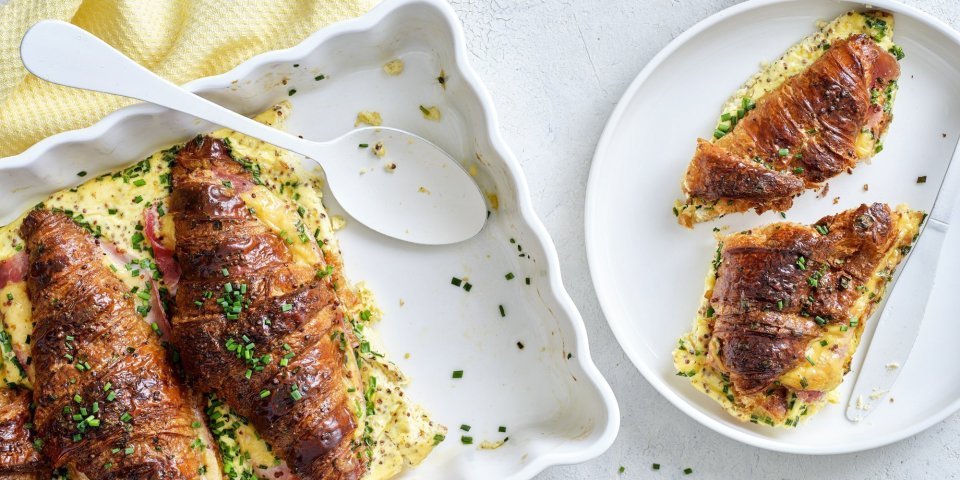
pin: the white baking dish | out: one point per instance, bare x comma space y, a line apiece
555, 404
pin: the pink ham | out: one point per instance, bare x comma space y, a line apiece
809, 396
169, 267
13, 269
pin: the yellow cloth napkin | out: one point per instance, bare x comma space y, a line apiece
178, 39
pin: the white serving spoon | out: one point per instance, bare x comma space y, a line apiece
428, 198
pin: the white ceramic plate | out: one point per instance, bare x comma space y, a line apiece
555, 404
648, 271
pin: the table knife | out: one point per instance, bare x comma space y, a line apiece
900, 321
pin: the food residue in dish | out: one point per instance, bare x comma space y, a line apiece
430, 113
393, 67
370, 118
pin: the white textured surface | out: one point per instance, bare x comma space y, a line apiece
555, 70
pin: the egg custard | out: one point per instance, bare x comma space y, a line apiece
784, 307
816, 112
129, 213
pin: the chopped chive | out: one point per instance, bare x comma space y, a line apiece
82, 173
503, 312
467, 286
264, 393
364, 145
465, 427
456, 281
656, 466
457, 374
922, 179
466, 440
687, 471
783, 152
319, 77
509, 276
285, 307
502, 429
139, 182
292, 92
897, 52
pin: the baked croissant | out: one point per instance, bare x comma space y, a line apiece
785, 308
107, 402
799, 135
262, 331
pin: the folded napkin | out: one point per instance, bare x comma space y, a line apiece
179, 39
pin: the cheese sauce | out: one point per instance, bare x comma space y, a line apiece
395, 433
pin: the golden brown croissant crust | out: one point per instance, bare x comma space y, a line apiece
778, 286
241, 291
805, 129
107, 402
19, 459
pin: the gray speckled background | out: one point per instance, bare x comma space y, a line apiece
555, 70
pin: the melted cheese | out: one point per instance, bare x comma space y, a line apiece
399, 432
829, 363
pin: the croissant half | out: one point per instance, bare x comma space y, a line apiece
796, 136
108, 404
262, 331
785, 306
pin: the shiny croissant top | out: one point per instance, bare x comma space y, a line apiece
263, 332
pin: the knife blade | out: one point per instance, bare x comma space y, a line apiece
900, 321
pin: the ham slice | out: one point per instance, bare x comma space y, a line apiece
13, 269
168, 266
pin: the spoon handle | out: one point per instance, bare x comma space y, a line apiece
67, 55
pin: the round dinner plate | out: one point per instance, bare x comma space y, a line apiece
648, 271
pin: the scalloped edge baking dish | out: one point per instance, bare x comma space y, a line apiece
585, 419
